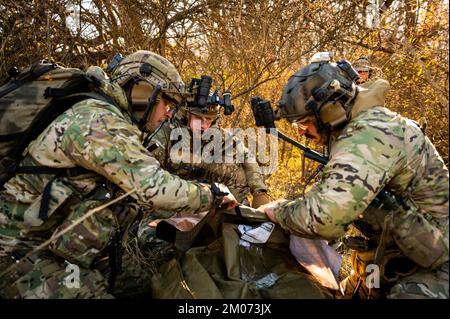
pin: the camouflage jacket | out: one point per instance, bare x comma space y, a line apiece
237, 169
101, 138
377, 149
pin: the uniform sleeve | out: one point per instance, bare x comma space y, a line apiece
106, 143
251, 168
360, 165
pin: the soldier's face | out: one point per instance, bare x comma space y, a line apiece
161, 111
309, 129
199, 123
363, 76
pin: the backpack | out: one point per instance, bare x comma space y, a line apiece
29, 103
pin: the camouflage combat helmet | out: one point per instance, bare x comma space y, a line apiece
212, 112
185, 111
152, 69
322, 90
362, 64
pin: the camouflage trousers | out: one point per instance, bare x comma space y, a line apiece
413, 283
423, 284
47, 276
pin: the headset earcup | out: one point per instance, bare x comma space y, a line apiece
333, 115
140, 93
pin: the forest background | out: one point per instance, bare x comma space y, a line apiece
251, 48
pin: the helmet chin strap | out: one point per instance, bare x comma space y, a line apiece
149, 108
315, 107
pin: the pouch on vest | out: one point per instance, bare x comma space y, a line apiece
420, 238
82, 244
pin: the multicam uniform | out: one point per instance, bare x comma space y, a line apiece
99, 137
380, 149
237, 169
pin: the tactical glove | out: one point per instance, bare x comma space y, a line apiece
222, 196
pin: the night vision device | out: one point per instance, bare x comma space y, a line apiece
202, 99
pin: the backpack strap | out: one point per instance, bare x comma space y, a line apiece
11, 137
45, 170
77, 97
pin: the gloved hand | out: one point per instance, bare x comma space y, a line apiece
260, 198
228, 201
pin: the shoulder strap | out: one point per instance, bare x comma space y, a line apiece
45, 170
77, 97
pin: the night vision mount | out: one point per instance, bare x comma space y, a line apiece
145, 69
264, 117
114, 62
201, 99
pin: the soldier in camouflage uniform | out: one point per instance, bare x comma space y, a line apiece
103, 139
364, 69
370, 149
242, 178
